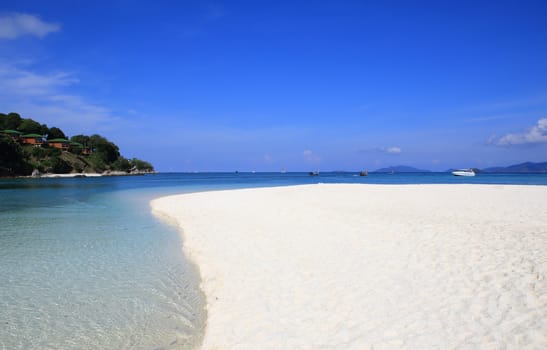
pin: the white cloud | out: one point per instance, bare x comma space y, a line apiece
534, 135
41, 96
15, 25
488, 118
26, 83
389, 150
393, 150
310, 157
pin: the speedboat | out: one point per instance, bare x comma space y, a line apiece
464, 172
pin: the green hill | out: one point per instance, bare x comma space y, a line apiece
27, 146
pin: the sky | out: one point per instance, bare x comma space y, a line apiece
294, 85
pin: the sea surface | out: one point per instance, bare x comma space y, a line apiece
84, 264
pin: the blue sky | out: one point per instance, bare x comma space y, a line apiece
300, 85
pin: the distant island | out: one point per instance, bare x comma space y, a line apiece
527, 167
401, 169
28, 147
524, 168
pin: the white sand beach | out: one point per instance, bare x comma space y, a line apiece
369, 266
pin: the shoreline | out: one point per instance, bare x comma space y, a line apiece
78, 175
355, 266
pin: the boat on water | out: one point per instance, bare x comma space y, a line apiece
464, 172
313, 173
363, 173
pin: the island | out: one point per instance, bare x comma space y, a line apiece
30, 148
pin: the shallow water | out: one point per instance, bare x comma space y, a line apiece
84, 264
82, 269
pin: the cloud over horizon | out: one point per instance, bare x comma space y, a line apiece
15, 25
394, 150
535, 135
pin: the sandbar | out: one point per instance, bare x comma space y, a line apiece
346, 266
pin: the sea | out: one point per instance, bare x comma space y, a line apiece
85, 265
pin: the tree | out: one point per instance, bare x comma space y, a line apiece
141, 165
11, 121
83, 139
29, 126
104, 149
11, 158
55, 133
56, 165
121, 164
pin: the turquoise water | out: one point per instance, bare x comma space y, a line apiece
87, 268
84, 264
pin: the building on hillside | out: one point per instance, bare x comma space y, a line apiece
79, 148
14, 134
32, 139
62, 144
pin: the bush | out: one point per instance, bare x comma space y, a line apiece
141, 165
97, 162
56, 165
11, 157
121, 164
39, 152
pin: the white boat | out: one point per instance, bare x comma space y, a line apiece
464, 172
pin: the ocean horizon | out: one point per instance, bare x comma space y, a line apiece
85, 265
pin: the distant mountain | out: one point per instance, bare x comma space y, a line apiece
401, 169
527, 167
